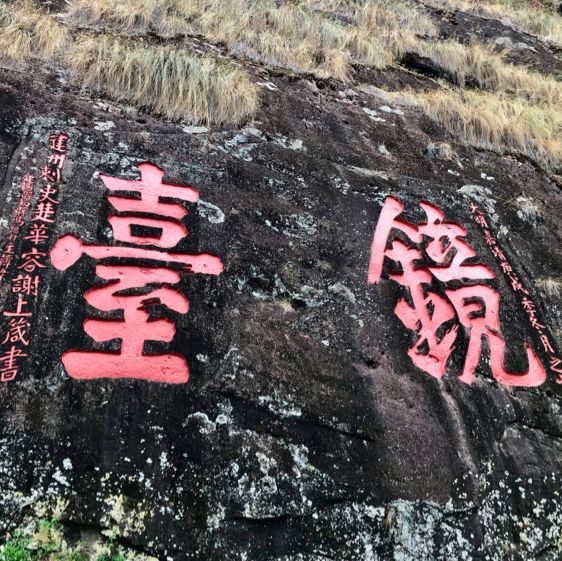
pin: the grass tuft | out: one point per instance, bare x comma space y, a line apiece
320, 37
476, 65
26, 32
499, 123
536, 18
165, 80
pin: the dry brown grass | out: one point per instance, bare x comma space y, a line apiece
307, 36
26, 32
165, 80
167, 18
168, 81
475, 64
497, 122
536, 18
396, 24
321, 37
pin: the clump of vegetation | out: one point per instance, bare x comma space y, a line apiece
494, 122
476, 65
110, 48
173, 82
26, 32
534, 17
166, 80
44, 541
320, 37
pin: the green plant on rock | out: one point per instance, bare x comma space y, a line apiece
45, 543
113, 551
16, 549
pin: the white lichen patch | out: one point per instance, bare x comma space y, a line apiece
280, 407
387, 109
373, 115
482, 196
104, 126
210, 212
528, 210
194, 129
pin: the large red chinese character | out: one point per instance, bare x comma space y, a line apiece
134, 329
434, 318
164, 231
136, 290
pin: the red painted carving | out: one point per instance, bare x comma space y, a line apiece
134, 290
10, 363
68, 249
134, 329
58, 142
37, 234
524, 298
19, 312
17, 221
434, 317
33, 260
25, 284
51, 174
17, 331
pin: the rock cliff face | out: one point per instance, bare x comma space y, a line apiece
306, 431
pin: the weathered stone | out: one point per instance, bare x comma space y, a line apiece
304, 432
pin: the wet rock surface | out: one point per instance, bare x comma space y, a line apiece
304, 432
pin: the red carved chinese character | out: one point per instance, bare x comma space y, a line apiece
448, 248
27, 183
56, 160
17, 331
555, 362
546, 344
498, 253
44, 212
535, 323
516, 284
481, 220
528, 305
136, 289
134, 329
489, 239
19, 309
46, 193
475, 307
10, 367
474, 208
51, 174
37, 234
419, 317
31, 260
168, 230
58, 142
26, 284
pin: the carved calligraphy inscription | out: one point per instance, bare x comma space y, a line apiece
522, 293
436, 317
26, 285
146, 222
